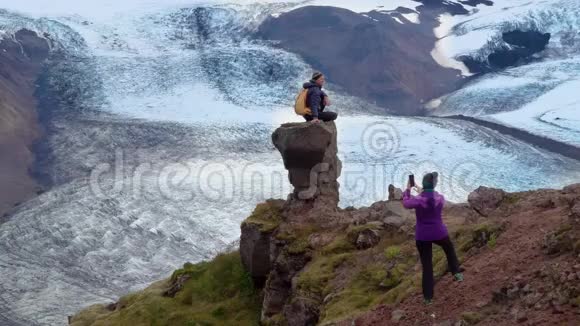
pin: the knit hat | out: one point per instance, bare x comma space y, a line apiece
316, 75
430, 180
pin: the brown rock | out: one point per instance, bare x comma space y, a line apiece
367, 238
395, 221
255, 251
486, 200
395, 193
397, 315
318, 240
532, 299
382, 210
445, 323
557, 309
176, 286
111, 306
278, 288
575, 213
309, 152
302, 312
547, 203
572, 189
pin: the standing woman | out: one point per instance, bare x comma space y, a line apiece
430, 229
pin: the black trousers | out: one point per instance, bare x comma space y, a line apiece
324, 116
426, 253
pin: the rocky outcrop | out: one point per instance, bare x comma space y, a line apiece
279, 249
279, 294
255, 252
21, 59
395, 193
367, 238
302, 311
256, 240
485, 200
310, 152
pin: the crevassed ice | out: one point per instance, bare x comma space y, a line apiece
537, 97
106, 9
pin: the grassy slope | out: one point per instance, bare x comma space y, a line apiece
219, 292
347, 282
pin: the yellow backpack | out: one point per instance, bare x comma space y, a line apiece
300, 106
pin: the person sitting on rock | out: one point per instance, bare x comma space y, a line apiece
431, 229
317, 100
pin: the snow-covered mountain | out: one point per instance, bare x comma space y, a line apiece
158, 117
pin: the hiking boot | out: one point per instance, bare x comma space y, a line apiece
427, 302
458, 277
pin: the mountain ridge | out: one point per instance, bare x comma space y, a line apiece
21, 59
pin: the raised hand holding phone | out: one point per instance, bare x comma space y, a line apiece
411, 182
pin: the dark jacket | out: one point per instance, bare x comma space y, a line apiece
314, 98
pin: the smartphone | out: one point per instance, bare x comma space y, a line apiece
412, 180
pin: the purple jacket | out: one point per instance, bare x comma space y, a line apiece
430, 225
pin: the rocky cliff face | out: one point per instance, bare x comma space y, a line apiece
21, 58
309, 262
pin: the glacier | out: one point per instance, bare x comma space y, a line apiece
538, 97
159, 115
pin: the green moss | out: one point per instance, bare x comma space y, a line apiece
353, 232
340, 244
375, 274
390, 277
471, 318
190, 269
296, 239
491, 243
313, 281
298, 246
478, 236
219, 292
267, 216
276, 320
564, 228
439, 262
380, 282
286, 235
392, 252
